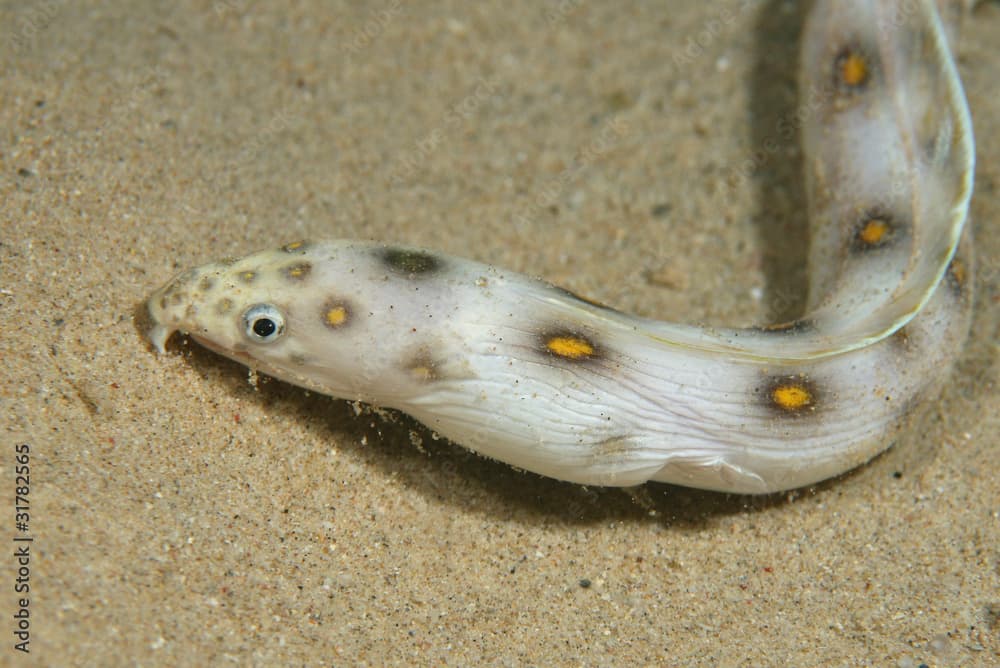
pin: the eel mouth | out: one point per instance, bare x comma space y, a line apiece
159, 334
240, 356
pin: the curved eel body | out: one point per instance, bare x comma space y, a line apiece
529, 374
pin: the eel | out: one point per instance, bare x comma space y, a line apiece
530, 374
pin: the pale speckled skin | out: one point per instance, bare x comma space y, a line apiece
526, 373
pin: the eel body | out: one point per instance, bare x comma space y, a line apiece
530, 374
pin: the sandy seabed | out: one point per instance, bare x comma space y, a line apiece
183, 516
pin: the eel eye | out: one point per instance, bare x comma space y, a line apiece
263, 323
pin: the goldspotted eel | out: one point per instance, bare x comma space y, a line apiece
532, 375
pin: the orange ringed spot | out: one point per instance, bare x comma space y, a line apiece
224, 306
336, 316
422, 367
874, 231
295, 246
852, 69
298, 271
791, 396
569, 346
422, 372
